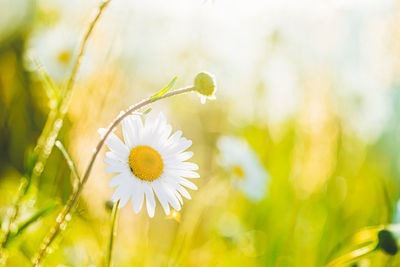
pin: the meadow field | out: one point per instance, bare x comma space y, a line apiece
199, 133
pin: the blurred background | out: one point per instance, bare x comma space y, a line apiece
299, 151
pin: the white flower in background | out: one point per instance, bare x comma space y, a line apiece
238, 158
150, 161
55, 49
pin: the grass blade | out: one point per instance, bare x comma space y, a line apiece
32, 220
113, 233
71, 164
48, 84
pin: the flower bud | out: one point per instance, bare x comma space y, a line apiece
204, 84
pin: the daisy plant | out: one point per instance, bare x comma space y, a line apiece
150, 159
59, 100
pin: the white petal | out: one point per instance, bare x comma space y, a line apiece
185, 155
183, 192
177, 164
178, 196
166, 131
128, 132
190, 166
158, 189
116, 145
149, 124
137, 197
162, 119
116, 168
150, 201
124, 197
175, 137
135, 124
116, 195
170, 193
118, 179
183, 173
179, 146
113, 160
186, 166
187, 183
172, 180
178, 157
113, 156
120, 194
137, 121
161, 129
157, 124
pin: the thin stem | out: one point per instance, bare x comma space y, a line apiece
67, 92
52, 91
74, 197
354, 255
56, 116
52, 126
113, 233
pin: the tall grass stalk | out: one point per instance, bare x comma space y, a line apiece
52, 127
56, 116
113, 233
60, 221
13, 213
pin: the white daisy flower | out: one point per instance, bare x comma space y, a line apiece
238, 158
151, 161
56, 50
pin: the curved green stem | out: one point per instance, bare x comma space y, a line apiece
74, 197
113, 233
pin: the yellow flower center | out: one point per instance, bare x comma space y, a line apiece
145, 163
64, 57
238, 171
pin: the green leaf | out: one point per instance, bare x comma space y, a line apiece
32, 220
164, 90
147, 111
